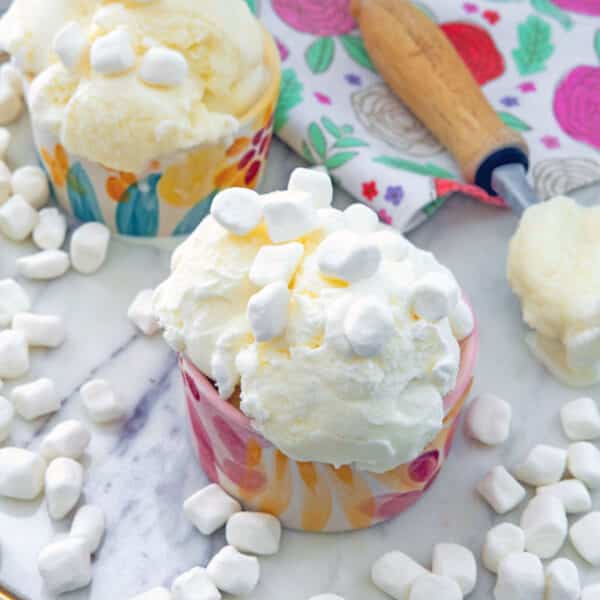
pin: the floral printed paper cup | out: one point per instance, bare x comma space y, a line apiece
173, 195
306, 495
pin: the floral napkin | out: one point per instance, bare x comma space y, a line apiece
538, 62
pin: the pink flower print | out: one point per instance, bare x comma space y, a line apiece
369, 190
551, 142
584, 7
319, 17
424, 467
283, 49
576, 105
385, 217
470, 8
394, 194
527, 87
322, 98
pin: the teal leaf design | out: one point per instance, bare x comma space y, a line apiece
407, 165
307, 152
82, 196
252, 5
535, 46
347, 129
333, 129
193, 217
335, 161
435, 205
349, 142
319, 55
138, 212
355, 47
597, 43
549, 9
290, 96
318, 140
514, 122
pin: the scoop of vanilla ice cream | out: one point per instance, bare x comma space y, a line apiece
334, 386
120, 117
554, 268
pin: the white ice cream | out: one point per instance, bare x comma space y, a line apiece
308, 391
554, 268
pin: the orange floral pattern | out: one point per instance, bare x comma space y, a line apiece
57, 164
117, 185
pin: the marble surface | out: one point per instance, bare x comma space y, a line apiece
141, 472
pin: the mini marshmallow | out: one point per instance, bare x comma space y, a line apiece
276, 263
45, 265
46, 331
488, 419
253, 532
501, 490
572, 493
5, 175
544, 522
343, 255
89, 245
392, 244
11, 104
500, 541
289, 215
585, 536
89, 524
112, 53
31, 183
562, 580
581, 419
520, 577
194, 584
21, 473
360, 219
591, 592
163, 67
394, 573
456, 562
7, 413
434, 296
584, 463
101, 402
238, 210
36, 399
462, 320
428, 586
71, 45
69, 439
63, 483
5, 137
369, 325
141, 314
316, 183
13, 300
65, 565
234, 573
17, 219
14, 354
543, 465
268, 311
11, 76
210, 508
330, 220
50, 231
159, 593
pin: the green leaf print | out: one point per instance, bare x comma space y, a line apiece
549, 9
333, 129
355, 48
252, 5
347, 129
340, 159
350, 142
407, 165
290, 96
514, 122
318, 140
535, 46
307, 153
597, 43
435, 205
319, 55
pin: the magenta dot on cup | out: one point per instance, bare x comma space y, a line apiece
422, 469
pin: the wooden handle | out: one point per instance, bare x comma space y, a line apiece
421, 65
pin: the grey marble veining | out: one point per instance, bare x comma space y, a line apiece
140, 472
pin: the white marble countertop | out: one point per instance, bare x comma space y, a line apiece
142, 471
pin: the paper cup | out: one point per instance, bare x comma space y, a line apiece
311, 496
175, 193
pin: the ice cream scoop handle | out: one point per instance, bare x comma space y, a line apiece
420, 64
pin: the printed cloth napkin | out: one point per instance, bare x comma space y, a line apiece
538, 62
